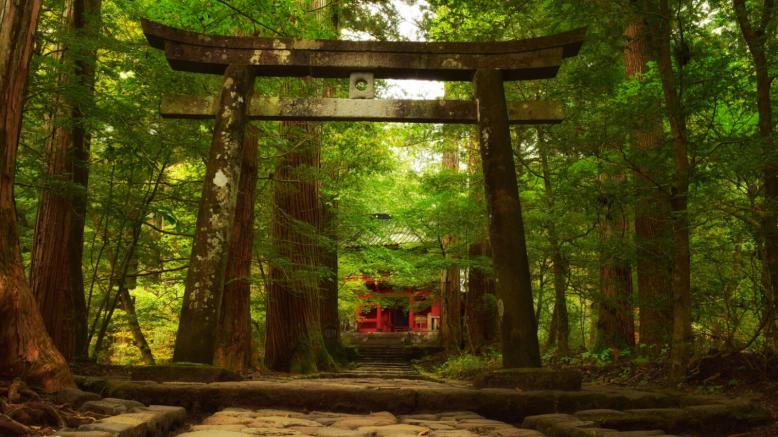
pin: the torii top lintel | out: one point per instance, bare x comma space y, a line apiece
536, 58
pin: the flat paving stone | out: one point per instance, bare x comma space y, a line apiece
239, 421
434, 405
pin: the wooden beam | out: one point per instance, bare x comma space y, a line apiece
535, 58
318, 109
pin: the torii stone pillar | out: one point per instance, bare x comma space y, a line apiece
205, 277
506, 226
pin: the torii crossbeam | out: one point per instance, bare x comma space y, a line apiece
486, 64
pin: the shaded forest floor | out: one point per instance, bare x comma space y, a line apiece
741, 375
746, 376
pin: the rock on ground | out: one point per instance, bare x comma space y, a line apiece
235, 422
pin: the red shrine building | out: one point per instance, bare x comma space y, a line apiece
382, 306
386, 309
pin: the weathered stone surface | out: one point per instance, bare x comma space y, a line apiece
119, 429
380, 424
394, 430
357, 422
188, 373
431, 399
111, 406
515, 432
531, 379
85, 434
453, 433
283, 422
102, 407
74, 397
339, 432
214, 433
235, 428
154, 420
598, 415
526, 59
407, 111
273, 432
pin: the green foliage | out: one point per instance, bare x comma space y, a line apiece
370, 168
467, 366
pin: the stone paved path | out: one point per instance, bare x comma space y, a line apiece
236, 422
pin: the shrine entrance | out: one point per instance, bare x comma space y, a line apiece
487, 65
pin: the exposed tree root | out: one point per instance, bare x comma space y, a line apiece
25, 412
10, 427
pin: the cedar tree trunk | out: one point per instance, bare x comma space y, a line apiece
294, 341
615, 321
480, 302
56, 276
653, 228
26, 350
660, 26
451, 310
756, 37
559, 332
233, 341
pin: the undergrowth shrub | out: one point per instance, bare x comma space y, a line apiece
467, 366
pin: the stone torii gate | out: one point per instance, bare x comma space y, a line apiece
241, 59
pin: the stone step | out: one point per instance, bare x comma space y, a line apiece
234, 422
134, 420
366, 393
710, 420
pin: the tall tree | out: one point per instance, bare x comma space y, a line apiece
559, 332
294, 340
451, 296
233, 340
481, 320
56, 276
615, 322
757, 35
659, 16
25, 347
653, 232
328, 20
480, 301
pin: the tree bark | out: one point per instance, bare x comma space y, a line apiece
615, 322
196, 339
327, 19
653, 229
756, 37
56, 276
233, 341
330, 317
451, 310
481, 318
480, 302
506, 228
294, 341
128, 305
296, 297
560, 326
661, 27
26, 349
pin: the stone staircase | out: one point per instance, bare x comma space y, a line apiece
381, 355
